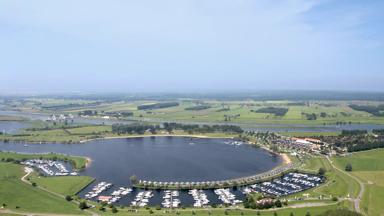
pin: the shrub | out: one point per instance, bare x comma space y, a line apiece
83, 205
68, 198
321, 171
348, 167
114, 210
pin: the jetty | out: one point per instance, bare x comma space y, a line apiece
230, 183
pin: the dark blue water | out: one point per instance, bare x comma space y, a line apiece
161, 159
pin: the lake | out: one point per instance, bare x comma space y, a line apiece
161, 159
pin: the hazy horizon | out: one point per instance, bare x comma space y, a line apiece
191, 46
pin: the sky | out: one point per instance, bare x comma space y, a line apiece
182, 45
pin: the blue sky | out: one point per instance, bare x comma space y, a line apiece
72, 46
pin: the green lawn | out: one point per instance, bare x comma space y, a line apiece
363, 161
237, 212
65, 185
369, 168
15, 193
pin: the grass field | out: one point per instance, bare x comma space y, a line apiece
65, 185
310, 134
83, 133
327, 112
11, 118
234, 212
19, 196
369, 168
363, 161
296, 114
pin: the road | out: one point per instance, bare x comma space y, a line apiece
357, 200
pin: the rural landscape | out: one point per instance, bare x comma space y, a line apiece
337, 150
192, 108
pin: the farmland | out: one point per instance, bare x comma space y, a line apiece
214, 111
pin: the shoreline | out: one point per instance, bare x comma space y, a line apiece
286, 159
158, 135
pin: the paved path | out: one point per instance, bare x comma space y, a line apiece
357, 200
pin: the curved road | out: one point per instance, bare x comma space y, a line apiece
357, 200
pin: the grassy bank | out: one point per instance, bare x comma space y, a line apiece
337, 183
368, 166
84, 133
11, 118
22, 197
65, 185
228, 211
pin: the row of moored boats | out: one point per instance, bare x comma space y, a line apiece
49, 167
289, 184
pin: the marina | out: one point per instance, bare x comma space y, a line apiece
142, 199
171, 199
98, 189
49, 167
287, 184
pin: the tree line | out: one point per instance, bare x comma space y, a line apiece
277, 111
157, 105
170, 127
374, 110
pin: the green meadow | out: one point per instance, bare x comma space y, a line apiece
21, 197
368, 166
65, 185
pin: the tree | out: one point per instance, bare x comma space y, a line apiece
68, 198
133, 179
83, 205
102, 208
308, 213
275, 148
34, 184
274, 213
291, 214
348, 167
114, 210
321, 171
278, 203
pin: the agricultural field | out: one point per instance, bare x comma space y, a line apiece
247, 112
241, 111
